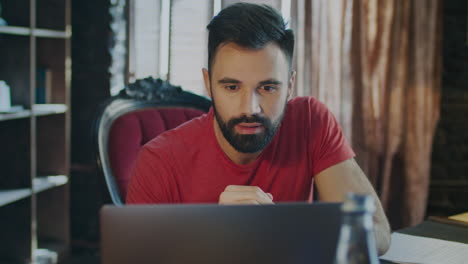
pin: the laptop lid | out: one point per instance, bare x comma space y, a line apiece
265, 234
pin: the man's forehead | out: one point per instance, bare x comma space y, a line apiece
231, 47
236, 58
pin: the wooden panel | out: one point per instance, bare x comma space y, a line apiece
51, 152
14, 67
52, 215
51, 14
16, 12
15, 230
51, 55
15, 154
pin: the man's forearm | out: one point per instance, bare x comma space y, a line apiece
382, 235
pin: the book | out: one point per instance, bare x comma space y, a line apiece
460, 217
43, 85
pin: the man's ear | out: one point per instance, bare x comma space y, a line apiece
292, 81
206, 79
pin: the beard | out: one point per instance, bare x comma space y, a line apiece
251, 143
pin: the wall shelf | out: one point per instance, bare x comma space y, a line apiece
40, 184
15, 115
44, 183
49, 109
35, 138
11, 30
48, 33
10, 196
38, 110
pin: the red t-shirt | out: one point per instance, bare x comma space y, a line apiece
187, 165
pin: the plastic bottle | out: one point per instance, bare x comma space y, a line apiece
356, 244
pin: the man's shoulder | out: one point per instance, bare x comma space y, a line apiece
301, 102
303, 108
178, 139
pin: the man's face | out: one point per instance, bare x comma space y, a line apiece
249, 89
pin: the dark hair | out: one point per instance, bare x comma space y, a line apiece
251, 26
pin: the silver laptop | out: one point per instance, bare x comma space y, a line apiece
209, 234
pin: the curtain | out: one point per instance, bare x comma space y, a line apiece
377, 65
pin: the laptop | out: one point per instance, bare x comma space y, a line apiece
263, 234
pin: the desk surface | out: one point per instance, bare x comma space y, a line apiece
436, 230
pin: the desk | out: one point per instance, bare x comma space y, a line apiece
437, 230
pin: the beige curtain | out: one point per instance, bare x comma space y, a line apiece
376, 64
322, 59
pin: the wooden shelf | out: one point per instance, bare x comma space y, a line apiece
49, 109
38, 32
11, 30
36, 141
56, 246
10, 196
38, 110
48, 33
15, 115
41, 184
449, 183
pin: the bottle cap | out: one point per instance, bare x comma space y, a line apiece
358, 203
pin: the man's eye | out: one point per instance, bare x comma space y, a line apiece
269, 88
231, 87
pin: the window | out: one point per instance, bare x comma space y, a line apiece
168, 38
188, 43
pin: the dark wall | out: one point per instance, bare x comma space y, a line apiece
90, 87
449, 177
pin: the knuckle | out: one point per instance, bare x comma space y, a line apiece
222, 196
258, 192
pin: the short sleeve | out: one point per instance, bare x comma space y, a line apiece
328, 144
151, 181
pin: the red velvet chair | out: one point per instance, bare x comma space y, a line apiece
141, 111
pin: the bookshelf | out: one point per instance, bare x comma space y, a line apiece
35, 137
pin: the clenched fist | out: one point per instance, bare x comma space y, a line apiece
236, 194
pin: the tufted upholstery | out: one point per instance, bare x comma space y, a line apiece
131, 131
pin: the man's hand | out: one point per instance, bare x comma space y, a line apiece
236, 194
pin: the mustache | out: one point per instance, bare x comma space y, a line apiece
249, 119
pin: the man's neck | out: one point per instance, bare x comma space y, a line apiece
234, 155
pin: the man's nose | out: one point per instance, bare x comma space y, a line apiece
250, 104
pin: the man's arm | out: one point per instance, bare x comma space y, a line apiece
334, 182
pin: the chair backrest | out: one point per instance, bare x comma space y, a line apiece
126, 122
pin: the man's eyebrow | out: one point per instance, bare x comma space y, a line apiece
270, 81
228, 80
231, 80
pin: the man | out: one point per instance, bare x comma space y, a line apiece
256, 145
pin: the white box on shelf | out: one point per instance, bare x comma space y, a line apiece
5, 97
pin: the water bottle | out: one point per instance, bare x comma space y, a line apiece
356, 244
